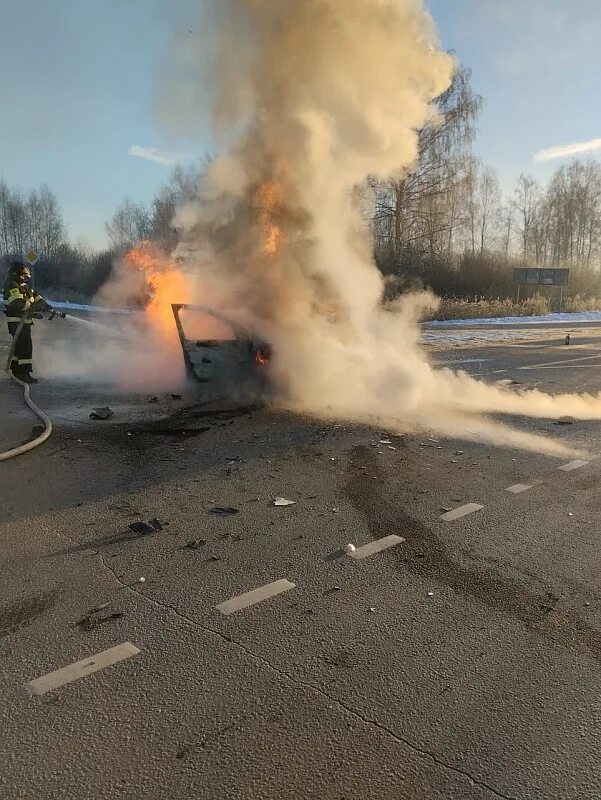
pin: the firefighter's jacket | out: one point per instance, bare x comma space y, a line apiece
20, 300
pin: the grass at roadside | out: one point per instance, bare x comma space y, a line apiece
537, 305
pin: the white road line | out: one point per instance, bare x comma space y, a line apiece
572, 366
518, 488
573, 465
376, 547
462, 511
254, 596
53, 680
561, 363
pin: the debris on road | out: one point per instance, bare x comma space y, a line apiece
154, 399
385, 441
99, 608
568, 340
133, 583
227, 511
176, 397
281, 501
92, 620
430, 594
156, 524
350, 548
142, 528
550, 603
194, 544
565, 421
102, 413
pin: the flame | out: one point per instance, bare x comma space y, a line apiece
268, 201
164, 284
261, 358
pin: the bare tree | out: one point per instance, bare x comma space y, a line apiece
489, 201
50, 228
419, 210
4, 219
130, 224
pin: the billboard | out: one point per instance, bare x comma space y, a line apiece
535, 276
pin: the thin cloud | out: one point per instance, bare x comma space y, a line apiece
566, 150
153, 154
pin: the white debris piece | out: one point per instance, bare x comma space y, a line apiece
385, 441
281, 501
350, 548
430, 594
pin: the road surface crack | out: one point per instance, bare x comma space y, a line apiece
311, 687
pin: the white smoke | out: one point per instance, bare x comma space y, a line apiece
310, 98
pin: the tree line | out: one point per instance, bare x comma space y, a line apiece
444, 223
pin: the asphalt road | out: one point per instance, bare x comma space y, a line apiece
462, 663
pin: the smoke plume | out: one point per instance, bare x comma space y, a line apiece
310, 98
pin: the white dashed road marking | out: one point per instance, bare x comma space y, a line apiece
462, 511
254, 596
53, 680
523, 487
376, 547
573, 465
564, 362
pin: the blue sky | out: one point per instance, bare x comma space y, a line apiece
80, 79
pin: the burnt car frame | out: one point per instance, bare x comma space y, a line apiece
237, 365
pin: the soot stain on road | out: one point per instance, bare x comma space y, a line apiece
24, 612
424, 556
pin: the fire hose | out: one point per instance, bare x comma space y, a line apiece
25, 448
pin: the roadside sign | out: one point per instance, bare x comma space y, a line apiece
533, 276
32, 257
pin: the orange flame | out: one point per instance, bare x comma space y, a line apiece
268, 200
164, 284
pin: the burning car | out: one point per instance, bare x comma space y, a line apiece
219, 352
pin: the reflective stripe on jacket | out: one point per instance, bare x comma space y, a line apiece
19, 298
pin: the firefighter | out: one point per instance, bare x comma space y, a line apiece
22, 303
